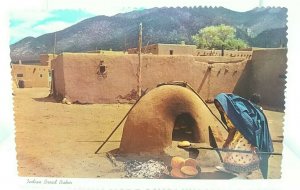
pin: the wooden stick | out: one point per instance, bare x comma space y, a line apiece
231, 150
117, 126
140, 62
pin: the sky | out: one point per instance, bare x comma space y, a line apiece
38, 17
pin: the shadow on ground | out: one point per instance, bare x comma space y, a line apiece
45, 99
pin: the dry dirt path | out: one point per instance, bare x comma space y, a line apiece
59, 140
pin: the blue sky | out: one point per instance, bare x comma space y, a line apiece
67, 16
50, 22
27, 23
36, 18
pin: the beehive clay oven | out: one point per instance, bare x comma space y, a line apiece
150, 123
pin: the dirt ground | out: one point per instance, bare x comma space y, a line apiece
60, 140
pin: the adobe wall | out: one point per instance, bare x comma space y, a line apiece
83, 84
218, 59
269, 75
207, 79
132, 51
227, 53
33, 62
77, 78
164, 49
45, 59
109, 52
223, 77
150, 49
58, 79
32, 75
159, 69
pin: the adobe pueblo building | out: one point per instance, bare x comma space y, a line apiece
166, 49
28, 76
33, 73
93, 78
104, 78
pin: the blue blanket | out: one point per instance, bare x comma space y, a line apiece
250, 121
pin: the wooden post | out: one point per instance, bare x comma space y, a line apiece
222, 51
139, 88
125, 44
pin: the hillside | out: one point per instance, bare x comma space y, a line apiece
164, 25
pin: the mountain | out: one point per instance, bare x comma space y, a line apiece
163, 25
270, 38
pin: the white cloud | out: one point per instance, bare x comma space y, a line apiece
52, 26
30, 23
21, 31
31, 16
26, 29
27, 19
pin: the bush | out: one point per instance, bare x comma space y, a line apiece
216, 37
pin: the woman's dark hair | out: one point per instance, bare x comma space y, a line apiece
255, 98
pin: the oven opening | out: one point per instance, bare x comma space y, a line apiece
185, 128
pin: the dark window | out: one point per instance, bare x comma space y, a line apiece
171, 52
41, 75
102, 69
102, 72
19, 75
21, 84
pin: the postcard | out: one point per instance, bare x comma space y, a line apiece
185, 93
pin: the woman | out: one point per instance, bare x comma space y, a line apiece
247, 131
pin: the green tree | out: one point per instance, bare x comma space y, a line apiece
214, 37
